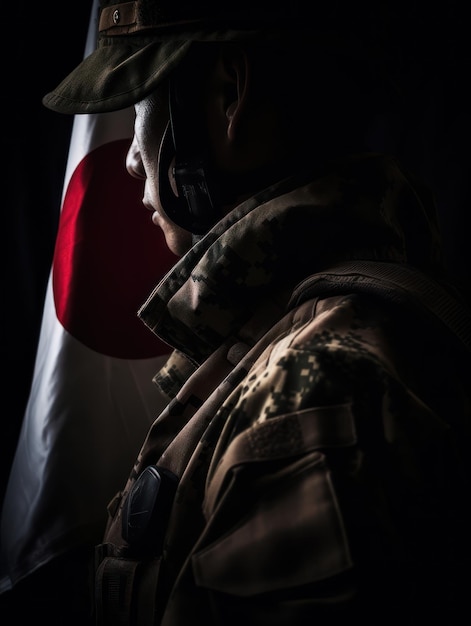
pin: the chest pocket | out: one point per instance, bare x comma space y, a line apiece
276, 476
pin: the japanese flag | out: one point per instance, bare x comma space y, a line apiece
92, 397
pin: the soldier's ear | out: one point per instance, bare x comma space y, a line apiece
234, 73
241, 119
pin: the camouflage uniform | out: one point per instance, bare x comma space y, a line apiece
315, 433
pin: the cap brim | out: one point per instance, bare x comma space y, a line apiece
115, 77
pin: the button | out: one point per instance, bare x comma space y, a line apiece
116, 17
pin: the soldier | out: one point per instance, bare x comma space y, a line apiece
310, 465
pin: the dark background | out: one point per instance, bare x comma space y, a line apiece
432, 139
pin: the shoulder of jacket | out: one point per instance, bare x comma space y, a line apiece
395, 283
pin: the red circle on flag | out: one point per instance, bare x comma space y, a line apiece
108, 257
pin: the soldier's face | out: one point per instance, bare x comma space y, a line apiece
143, 162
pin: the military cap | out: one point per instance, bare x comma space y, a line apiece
141, 41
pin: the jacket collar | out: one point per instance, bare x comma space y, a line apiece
257, 254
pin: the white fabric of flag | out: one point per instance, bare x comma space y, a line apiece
92, 397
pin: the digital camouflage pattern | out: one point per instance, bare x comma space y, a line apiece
316, 440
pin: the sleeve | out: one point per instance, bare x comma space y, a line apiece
318, 513
284, 552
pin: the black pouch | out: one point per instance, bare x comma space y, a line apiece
147, 509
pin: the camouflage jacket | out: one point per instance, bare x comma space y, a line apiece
307, 465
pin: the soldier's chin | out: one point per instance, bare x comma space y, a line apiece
178, 240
